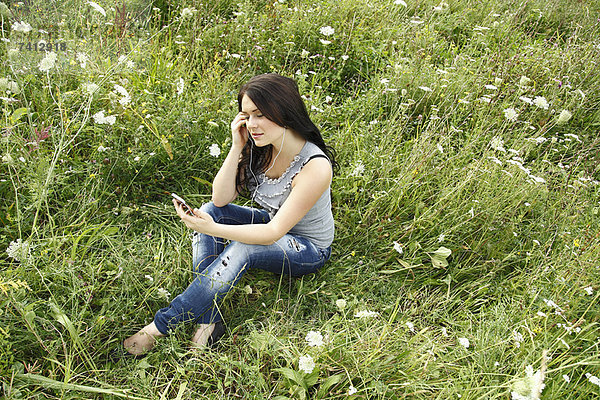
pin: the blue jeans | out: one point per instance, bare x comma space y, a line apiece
217, 267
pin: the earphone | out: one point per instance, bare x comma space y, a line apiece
265, 173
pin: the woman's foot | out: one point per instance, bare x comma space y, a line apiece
208, 334
202, 335
142, 341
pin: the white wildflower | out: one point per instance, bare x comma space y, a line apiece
97, 7
566, 378
314, 339
541, 102
188, 12
441, 238
22, 27
491, 87
82, 58
524, 81
497, 144
526, 99
180, 86
19, 250
99, 118
345, 57
327, 30
149, 277
352, 389
589, 290
564, 117
570, 135
341, 303
164, 293
541, 314
593, 379
366, 314
102, 149
306, 364
498, 81
324, 42
305, 53
464, 342
90, 88
126, 99
8, 159
359, 169
400, 3
215, 150
385, 81
530, 387
511, 114
48, 62
445, 332
410, 326
398, 247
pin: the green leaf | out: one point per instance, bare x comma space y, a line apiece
327, 384
292, 375
439, 262
442, 252
17, 114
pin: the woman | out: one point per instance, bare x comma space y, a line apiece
279, 156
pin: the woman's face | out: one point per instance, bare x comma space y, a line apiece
261, 129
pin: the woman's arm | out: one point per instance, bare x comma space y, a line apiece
310, 183
224, 189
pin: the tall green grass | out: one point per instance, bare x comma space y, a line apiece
428, 160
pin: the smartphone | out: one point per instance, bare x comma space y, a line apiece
182, 202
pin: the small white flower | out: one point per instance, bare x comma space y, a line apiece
366, 314
410, 326
8, 159
464, 342
511, 114
444, 332
48, 62
314, 339
385, 81
541, 102
359, 169
90, 88
491, 87
82, 58
102, 149
164, 293
352, 389
564, 117
126, 99
180, 86
99, 118
524, 81
400, 3
441, 238
497, 144
566, 378
305, 53
398, 247
22, 27
324, 42
593, 379
344, 57
19, 250
306, 364
341, 303
589, 290
188, 12
498, 81
327, 30
215, 150
526, 99
541, 314
150, 278
97, 7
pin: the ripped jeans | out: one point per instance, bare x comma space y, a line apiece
218, 267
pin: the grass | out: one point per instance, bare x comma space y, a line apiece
427, 157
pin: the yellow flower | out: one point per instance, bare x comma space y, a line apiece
353, 253
576, 243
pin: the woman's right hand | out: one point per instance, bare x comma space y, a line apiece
239, 132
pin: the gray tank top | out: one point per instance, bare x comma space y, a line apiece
317, 225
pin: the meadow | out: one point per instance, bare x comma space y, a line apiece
466, 263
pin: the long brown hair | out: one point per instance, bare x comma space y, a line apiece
277, 97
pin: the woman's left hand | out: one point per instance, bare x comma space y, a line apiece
200, 222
